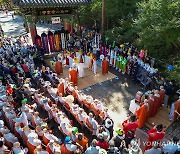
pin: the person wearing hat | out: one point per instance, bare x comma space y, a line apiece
118, 138
68, 147
101, 142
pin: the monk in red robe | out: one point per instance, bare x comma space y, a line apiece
161, 93
155, 134
58, 67
73, 75
151, 105
142, 114
105, 66
61, 88
130, 125
157, 100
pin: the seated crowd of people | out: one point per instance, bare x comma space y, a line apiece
27, 87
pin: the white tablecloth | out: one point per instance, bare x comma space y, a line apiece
133, 106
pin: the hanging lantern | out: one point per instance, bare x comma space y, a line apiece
170, 67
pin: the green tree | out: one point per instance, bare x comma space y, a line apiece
158, 28
6, 3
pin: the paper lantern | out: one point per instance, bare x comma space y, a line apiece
170, 67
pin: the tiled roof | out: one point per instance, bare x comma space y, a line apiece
50, 3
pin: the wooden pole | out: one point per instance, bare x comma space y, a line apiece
103, 21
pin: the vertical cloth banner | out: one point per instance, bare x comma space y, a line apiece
38, 41
51, 41
63, 40
57, 39
45, 42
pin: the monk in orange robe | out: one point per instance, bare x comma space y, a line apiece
73, 74
142, 114
177, 109
61, 88
58, 67
105, 66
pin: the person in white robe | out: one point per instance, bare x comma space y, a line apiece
94, 67
115, 58
71, 60
111, 57
81, 67
87, 61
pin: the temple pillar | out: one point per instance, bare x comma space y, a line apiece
32, 28
33, 32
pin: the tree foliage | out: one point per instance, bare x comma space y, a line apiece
158, 26
6, 3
